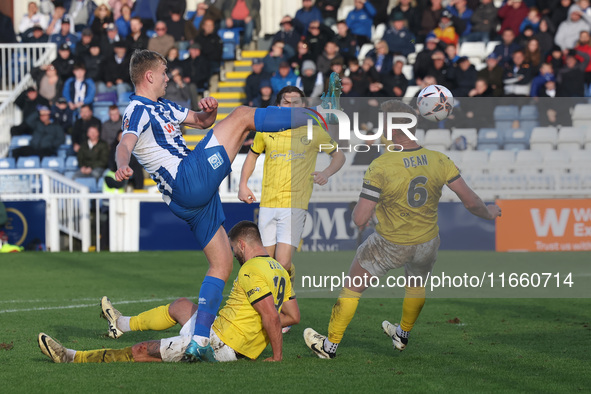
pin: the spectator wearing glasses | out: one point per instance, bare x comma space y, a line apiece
163, 41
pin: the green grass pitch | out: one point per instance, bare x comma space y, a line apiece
465, 344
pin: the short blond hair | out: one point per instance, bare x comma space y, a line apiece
142, 61
399, 106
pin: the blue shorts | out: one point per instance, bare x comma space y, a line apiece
195, 197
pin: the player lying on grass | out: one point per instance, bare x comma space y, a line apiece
189, 180
404, 189
260, 303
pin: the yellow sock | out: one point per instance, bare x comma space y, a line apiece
291, 272
414, 299
342, 314
156, 319
104, 356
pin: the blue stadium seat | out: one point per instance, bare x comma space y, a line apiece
229, 51
503, 124
28, 162
65, 150
489, 139
516, 139
124, 98
101, 113
528, 125
7, 163
71, 166
230, 35
184, 54
55, 163
89, 182
107, 97
528, 112
506, 112
20, 140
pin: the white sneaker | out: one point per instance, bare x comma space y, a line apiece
52, 349
109, 313
390, 330
315, 342
285, 330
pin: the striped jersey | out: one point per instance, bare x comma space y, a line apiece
160, 146
407, 187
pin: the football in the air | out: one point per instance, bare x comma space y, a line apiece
435, 103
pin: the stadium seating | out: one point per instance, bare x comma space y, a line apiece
28, 162
71, 166
473, 50
528, 112
581, 115
474, 160
501, 161
408, 72
7, 163
455, 156
587, 145
89, 182
514, 181
506, 112
365, 48
420, 134
555, 162
18, 142
528, 162
543, 138
516, 139
570, 138
471, 136
437, 139
55, 163
489, 139
101, 112
490, 46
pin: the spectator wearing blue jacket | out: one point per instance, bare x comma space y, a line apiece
308, 13
462, 16
360, 21
400, 40
546, 75
79, 90
284, 77
64, 36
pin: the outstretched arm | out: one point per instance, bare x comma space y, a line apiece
472, 202
123, 155
205, 118
272, 325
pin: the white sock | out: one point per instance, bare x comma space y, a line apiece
401, 333
70, 353
330, 347
123, 323
201, 341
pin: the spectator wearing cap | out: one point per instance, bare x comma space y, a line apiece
62, 114
211, 44
461, 16
196, 73
242, 13
430, 19
32, 18
163, 41
46, 135
505, 49
35, 35
94, 61
546, 73
290, 33
28, 102
81, 126
410, 13
570, 79
331, 52
399, 38
265, 95
109, 39
493, 74
446, 31
136, 39
462, 76
275, 57
484, 22
123, 21
329, 10
182, 30
317, 37
79, 90
80, 12
569, 30
64, 36
83, 46
395, 82
345, 40
115, 75
438, 68
253, 81
423, 60
177, 90
93, 155
55, 22
283, 77
512, 14
310, 81
308, 13
102, 19
381, 57
64, 63
360, 20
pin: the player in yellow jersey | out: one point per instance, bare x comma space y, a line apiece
403, 188
260, 303
288, 178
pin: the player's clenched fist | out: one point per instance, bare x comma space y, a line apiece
208, 104
123, 173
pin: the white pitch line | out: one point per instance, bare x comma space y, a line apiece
94, 304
